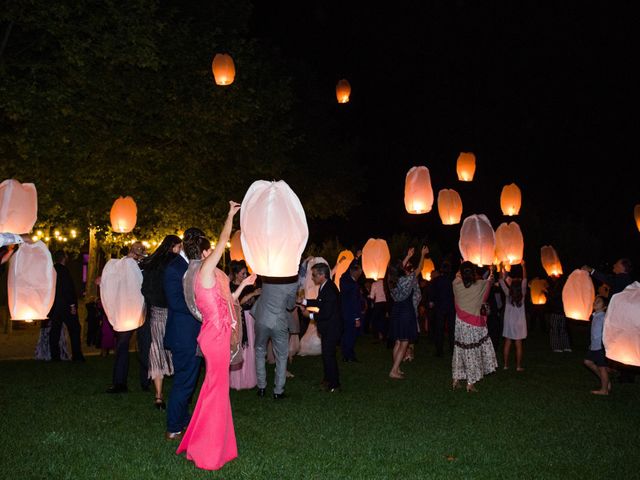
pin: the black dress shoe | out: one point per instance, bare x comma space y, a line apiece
117, 389
279, 396
262, 392
159, 404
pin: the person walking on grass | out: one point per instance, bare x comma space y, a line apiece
515, 320
596, 360
473, 354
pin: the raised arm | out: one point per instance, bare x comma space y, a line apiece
207, 270
250, 280
423, 253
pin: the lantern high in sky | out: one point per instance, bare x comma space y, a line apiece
509, 243
274, 229
550, 261
510, 200
124, 214
418, 194
18, 206
343, 91
466, 166
375, 258
449, 206
224, 70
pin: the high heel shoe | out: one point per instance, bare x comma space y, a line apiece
159, 404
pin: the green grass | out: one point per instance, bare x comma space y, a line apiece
543, 423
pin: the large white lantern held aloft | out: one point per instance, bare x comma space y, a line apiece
274, 229
509, 243
621, 335
477, 240
31, 282
18, 206
120, 293
578, 295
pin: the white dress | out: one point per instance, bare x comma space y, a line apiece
515, 319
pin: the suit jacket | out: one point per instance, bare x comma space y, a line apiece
182, 327
351, 298
274, 306
329, 318
65, 291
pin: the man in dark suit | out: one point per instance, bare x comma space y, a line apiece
181, 334
328, 319
64, 310
351, 309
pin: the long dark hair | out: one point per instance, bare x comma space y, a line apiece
163, 253
516, 295
394, 272
468, 273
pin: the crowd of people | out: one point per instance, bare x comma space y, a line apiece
239, 322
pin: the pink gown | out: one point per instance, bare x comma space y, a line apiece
210, 439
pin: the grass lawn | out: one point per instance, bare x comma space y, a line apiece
542, 423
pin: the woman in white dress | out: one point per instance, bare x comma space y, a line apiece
515, 320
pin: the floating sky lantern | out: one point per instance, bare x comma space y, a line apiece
224, 70
621, 335
509, 243
538, 288
418, 194
18, 206
343, 91
120, 285
449, 206
578, 295
636, 214
550, 261
31, 282
375, 258
124, 214
466, 166
477, 240
342, 266
427, 269
235, 248
510, 200
274, 229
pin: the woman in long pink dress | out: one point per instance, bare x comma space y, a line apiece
210, 439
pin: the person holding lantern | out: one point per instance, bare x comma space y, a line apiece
473, 354
209, 440
405, 293
515, 320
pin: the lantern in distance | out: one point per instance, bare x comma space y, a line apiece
375, 258
636, 214
124, 214
31, 282
343, 91
224, 70
418, 194
477, 240
466, 166
621, 334
18, 206
578, 295
538, 289
120, 285
235, 251
427, 269
550, 261
509, 243
510, 200
342, 266
449, 206
274, 229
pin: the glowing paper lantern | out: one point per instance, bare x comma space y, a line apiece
578, 295
466, 166
509, 243
311, 289
342, 266
418, 194
375, 258
343, 91
124, 215
510, 200
18, 206
636, 214
550, 261
120, 293
449, 206
31, 282
274, 229
621, 335
538, 288
427, 269
235, 251
477, 240
224, 70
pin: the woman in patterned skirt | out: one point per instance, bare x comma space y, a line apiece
160, 362
473, 354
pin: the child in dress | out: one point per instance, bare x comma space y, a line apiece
515, 320
596, 359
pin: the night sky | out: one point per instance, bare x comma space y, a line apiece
541, 92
